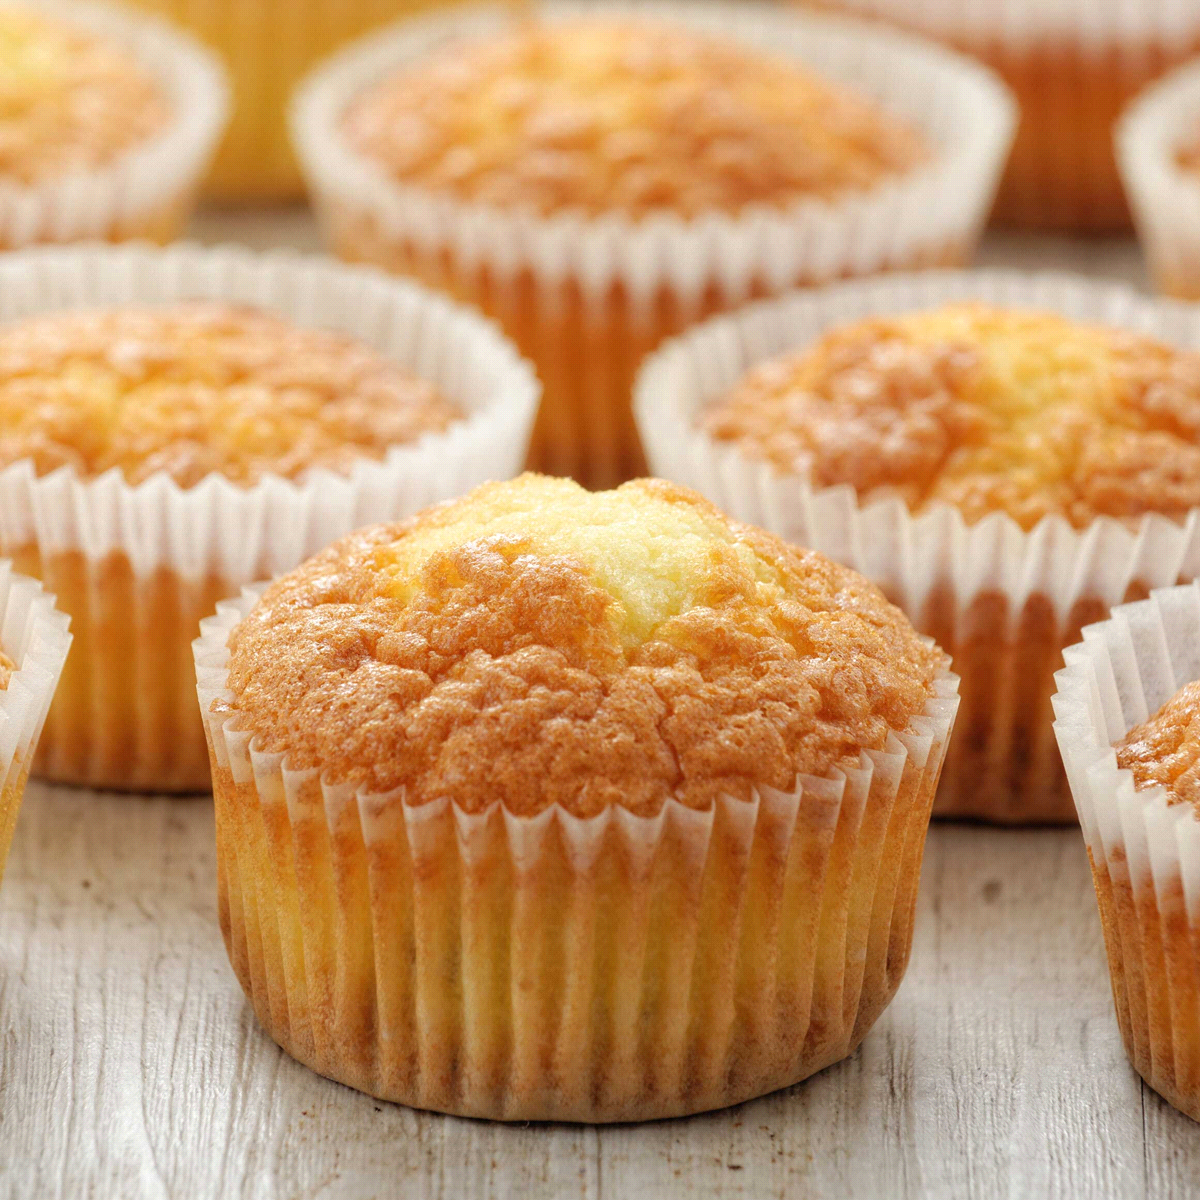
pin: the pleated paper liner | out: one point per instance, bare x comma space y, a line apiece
33, 633
1165, 196
556, 968
266, 47
1144, 852
147, 192
587, 298
137, 566
1073, 65
1002, 602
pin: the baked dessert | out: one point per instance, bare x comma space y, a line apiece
991, 461
1131, 755
626, 115
202, 387
596, 179
106, 123
155, 459
1159, 154
1164, 750
35, 644
267, 46
74, 101
586, 768
1073, 65
987, 409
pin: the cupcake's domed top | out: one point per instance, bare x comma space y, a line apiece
1164, 751
69, 100
535, 643
198, 388
623, 114
991, 410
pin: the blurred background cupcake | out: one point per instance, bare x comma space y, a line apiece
176, 424
1158, 143
600, 176
1007, 456
267, 46
569, 805
1073, 65
108, 121
1128, 723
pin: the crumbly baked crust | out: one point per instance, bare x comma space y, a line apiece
1164, 751
7, 667
624, 114
536, 643
198, 388
991, 410
69, 101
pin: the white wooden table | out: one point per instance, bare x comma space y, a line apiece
131, 1065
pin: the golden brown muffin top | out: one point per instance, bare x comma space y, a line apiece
536, 643
69, 100
991, 410
7, 667
201, 387
624, 114
1164, 751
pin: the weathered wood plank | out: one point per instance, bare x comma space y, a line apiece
130, 1064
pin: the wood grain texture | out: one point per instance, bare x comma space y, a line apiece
130, 1065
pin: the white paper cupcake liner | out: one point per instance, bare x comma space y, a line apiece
1145, 852
147, 191
961, 109
1073, 64
33, 633
1164, 196
934, 565
551, 967
155, 556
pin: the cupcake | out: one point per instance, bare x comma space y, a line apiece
1007, 456
1073, 66
267, 46
558, 805
1158, 146
107, 124
33, 644
599, 176
1128, 724
176, 424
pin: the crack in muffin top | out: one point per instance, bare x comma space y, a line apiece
624, 114
1164, 750
70, 100
535, 643
988, 409
201, 387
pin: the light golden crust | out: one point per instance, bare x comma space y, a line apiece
990, 410
625, 115
197, 388
7, 667
535, 643
1164, 751
69, 101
